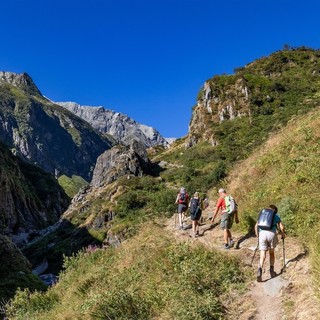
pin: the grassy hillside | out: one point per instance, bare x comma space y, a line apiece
285, 171
149, 277
280, 86
71, 185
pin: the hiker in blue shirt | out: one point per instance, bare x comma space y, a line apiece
266, 231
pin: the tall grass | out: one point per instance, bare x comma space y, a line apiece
149, 277
285, 171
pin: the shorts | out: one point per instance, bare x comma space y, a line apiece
267, 240
196, 216
226, 221
182, 208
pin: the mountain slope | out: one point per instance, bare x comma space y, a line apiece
30, 198
44, 133
259, 97
236, 113
118, 125
285, 171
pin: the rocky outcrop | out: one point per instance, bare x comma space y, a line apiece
120, 161
46, 134
216, 104
118, 125
22, 81
273, 87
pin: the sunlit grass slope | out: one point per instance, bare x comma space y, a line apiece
151, 276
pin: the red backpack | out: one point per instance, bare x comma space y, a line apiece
183, 198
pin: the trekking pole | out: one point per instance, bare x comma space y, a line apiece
284, 254
254, 254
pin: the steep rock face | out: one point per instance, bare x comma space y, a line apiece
44, 133
270, 87
118, 125
215, 106
30, 198
120, 161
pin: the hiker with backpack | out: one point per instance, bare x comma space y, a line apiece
195, 208
182, 201
266, 231
229, 212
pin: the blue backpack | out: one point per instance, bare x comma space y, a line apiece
266, 219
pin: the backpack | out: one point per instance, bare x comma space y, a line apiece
194, 205
231, 205
183, 198
266, 219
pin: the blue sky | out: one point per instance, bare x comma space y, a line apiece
145, 58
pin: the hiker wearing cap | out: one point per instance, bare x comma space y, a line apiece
182, 201
195, 208
266, 231
229, 212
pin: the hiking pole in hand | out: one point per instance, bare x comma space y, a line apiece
284, 254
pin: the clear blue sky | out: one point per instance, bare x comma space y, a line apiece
145, 58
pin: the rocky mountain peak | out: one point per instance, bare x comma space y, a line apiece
120, 126
19, 80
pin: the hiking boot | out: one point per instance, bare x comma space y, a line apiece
272, 272
259, 275
226, 246
231, 244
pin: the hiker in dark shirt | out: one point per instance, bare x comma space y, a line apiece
182, 201
195, 207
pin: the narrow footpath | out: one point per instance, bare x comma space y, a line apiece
288, 296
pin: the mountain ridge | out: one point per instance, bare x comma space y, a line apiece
120, 126
44, 133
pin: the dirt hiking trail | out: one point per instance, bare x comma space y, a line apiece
288, 296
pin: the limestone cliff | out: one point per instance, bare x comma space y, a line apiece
118, 125
215, 105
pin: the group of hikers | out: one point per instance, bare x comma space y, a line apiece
266, 227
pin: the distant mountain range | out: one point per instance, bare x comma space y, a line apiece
123, 128
44, 133
62, 138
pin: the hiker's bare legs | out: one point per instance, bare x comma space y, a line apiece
197, 226
262, 258
194, 227
272, 257
227, 235
180, 219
